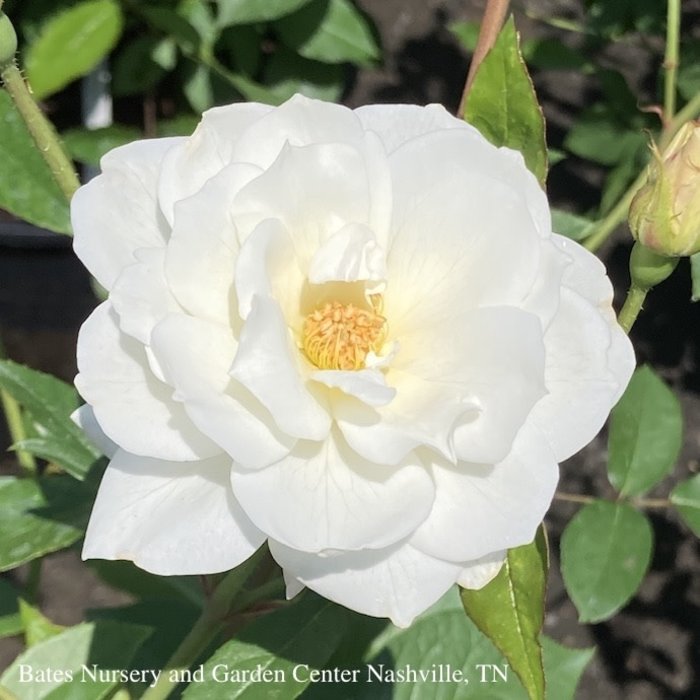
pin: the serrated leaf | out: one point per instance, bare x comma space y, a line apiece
249, 11
172, 24
27, 188
307, 632
573, 226
686, 497
41, 516
89, 145
107, 645
331, 31
50, 402
66, 454
37, 627
10, 619
502, 103
695, 277
510, 610
605, 553
646, 434
71, 44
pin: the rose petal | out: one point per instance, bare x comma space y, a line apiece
492, 507
133, 407
196, 356
170, 518
202, 252
117, 212
398, 583
323, 496
84, 418
476, 574
367, 385
267, 365
141, 295
206, 152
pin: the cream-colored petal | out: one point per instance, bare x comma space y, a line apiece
196, 356
117, 212
134, 408
325, 497
170, 518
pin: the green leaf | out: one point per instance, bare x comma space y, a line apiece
307, 632
503, 106
571, 225
41, 516
605, 553
695, 276
37, 627
50, 403
686, 497
27, 188
598, 137
172, 24
140, 65
198, 87
242, 46
65, 453
287, 73
331, 31
128, 577
106, 645
182, 125
510, 610
88, 146
689, 69
249, 11
10, 619
646, 434
552, 54
71, 44
563, 668
467, 33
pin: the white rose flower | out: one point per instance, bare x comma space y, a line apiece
349, 333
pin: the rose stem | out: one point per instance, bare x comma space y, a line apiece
673, 24
40, 129
494, 16
205, 629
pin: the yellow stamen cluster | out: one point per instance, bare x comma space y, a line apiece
340, 336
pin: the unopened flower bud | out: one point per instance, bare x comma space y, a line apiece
8, 41
665, 213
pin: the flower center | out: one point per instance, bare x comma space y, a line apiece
340, 336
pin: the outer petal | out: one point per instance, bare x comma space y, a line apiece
267, 365
476, 574
134, 409
396, 124
84, 418
492, 507
461, 242
117, 212
399, 582
141, 295
298, 122
493, 357
323, 496
196, 356
170, 518
206, 152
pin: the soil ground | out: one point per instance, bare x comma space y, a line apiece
651, 649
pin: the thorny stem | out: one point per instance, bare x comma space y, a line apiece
41, 130
673, 25
494, 16
206, 628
